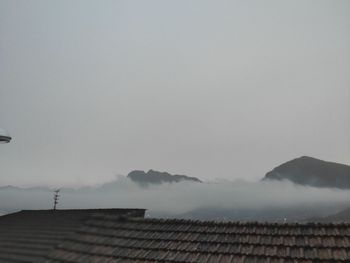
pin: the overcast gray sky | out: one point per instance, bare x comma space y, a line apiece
213, 89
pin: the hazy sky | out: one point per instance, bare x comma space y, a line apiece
213, 89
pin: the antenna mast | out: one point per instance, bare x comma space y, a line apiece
55, 198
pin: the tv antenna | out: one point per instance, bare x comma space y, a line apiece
55, 198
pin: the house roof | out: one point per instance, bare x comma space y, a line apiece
109, 238
29, 235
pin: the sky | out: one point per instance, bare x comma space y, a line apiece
213, 89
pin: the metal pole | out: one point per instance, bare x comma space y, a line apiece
55, 198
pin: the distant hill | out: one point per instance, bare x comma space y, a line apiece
342, 216
9, 187
155, 177
313, 172
277, 214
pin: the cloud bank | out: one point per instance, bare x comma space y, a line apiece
182, 198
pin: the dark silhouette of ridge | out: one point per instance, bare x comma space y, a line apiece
155, 177
312, 172
342, 216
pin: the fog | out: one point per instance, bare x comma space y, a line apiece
177, 199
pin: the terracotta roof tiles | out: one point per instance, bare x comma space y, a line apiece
120, 239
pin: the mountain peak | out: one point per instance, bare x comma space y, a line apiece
155, 177
310, 171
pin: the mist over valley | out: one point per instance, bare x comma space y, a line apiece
175, 196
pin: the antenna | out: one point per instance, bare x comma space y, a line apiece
55, 198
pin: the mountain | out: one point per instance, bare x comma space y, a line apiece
277, 214
155, 177
312, 172
342, 216
9, 187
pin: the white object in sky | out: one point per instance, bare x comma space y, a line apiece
4, 136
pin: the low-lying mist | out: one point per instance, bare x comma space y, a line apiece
236, 200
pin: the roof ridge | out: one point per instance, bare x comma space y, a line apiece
240, 223
78, 209
130, 217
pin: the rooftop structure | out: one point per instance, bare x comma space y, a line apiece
29, 235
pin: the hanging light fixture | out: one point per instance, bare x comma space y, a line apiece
4, 136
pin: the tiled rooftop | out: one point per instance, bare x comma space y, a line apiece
28, 236
109, 238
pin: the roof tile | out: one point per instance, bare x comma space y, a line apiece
111, 238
